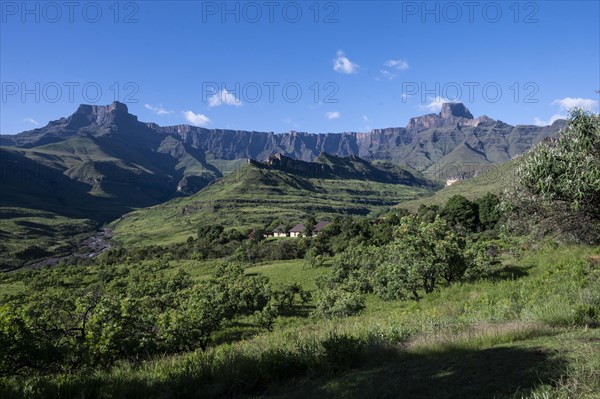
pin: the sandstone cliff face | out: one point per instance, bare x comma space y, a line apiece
451, 136
424, 142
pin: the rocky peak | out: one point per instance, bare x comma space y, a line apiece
86, 115
455, 109
455, 114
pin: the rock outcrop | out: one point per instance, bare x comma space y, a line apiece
455, 109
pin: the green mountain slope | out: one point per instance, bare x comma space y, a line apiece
493, 180
259, 193
87, 170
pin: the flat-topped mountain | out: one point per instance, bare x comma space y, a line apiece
94, 120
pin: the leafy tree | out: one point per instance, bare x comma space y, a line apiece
267, 316
309, 226
489, 210
356, 264
559, 181
428, 213
123, 328
21, 347
210, 232
343, 300
202, 313
246, 252
459, 211
229, 281
255, 293
286, 295
422, 256
313, 257
258, 235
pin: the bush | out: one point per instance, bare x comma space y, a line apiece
341, 301
559, 183
489, 210
267, 316
69, 318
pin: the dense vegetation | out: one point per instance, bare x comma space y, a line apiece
560, 182
461, 293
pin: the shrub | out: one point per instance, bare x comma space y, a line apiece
559, 183
341, 301
266, 317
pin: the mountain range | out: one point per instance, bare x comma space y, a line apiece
92, 167
453, 135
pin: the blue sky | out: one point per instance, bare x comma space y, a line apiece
306, 66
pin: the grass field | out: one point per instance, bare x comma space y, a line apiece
289, 272
514, 334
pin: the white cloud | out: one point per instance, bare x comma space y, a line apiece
224, 97
388, 75
568, 102
333, 115
397, 65
196, 119
343, 65
400, 65
553, 118
32, 121
160, 111
435, 105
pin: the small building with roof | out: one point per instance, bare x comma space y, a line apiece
297, 230
280, 231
